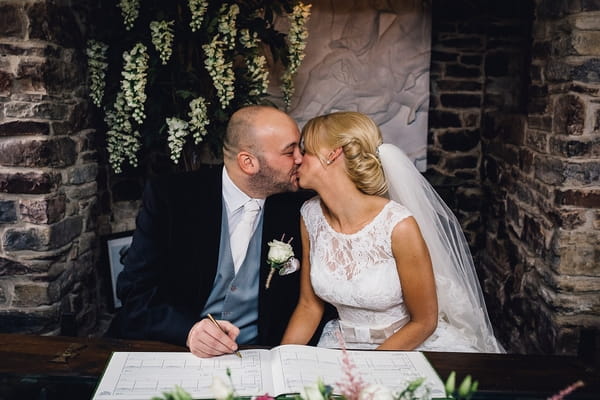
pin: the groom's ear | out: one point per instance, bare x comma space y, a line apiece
247, 162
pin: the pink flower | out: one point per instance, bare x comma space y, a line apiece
561, 395
264, 397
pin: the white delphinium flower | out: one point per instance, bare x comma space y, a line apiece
198, 119
162, 38
130, 10
198, 9
220, 70
297, 43
226, 26
123, 141
134, 80
96, 53
178, 130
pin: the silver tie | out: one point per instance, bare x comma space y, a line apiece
240, 238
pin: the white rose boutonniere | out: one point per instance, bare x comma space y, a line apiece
281, 258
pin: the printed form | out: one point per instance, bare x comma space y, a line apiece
283, 369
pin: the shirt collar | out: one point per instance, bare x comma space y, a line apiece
233, 195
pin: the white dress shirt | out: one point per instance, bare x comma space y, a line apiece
234, 203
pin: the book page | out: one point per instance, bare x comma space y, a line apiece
141, 375
294, 367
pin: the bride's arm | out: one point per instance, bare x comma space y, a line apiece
308, 312
418, 286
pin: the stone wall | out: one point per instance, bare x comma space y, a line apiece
541, 153
454, 148
48, 168
513, 149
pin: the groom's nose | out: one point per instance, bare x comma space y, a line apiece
297, 155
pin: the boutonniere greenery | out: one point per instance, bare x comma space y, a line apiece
281, 258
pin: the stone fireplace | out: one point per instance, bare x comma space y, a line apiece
514, 149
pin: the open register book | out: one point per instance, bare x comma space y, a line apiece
283, 369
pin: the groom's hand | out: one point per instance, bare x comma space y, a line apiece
206, 339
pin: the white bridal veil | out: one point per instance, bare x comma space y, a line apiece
460, 300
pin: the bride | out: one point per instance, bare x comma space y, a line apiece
399, 271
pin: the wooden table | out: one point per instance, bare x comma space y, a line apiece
500, 376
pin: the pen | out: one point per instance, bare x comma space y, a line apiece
214, 321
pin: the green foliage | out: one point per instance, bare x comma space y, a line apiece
465, 390
177, 394
325, 392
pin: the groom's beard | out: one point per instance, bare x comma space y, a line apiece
272, 181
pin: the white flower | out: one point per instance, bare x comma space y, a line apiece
297, 43
375, 392
220, 389
226, 26
123, 141
198, 9
220, 70
218, 66
96, 52
162, 38
248, 40
130, 10
178, 130
312, 393
259, 75
279, 253
133, 84
198, 119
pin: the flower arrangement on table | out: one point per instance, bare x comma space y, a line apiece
352, 387
182, 67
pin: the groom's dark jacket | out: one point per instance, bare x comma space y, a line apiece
171, 266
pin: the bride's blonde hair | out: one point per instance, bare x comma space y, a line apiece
359, 137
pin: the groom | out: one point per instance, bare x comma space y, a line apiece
187, 259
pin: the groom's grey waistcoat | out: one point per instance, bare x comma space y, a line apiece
234, 297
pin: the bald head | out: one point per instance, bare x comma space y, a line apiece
245, 127
261, 150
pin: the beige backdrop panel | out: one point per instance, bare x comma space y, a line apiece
373, 57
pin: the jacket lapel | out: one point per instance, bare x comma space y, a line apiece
206, 219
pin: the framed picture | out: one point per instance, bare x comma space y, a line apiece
116, 248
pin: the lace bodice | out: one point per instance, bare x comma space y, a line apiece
357, 272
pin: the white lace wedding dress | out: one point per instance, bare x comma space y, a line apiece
357, 274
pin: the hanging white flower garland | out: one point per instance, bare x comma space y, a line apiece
297, 37
123, 141
128, 111
97, 65
130, 10
162, 38
198, 119
178, 130
257, 64
198, 9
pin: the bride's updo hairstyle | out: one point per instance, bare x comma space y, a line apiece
359, 137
